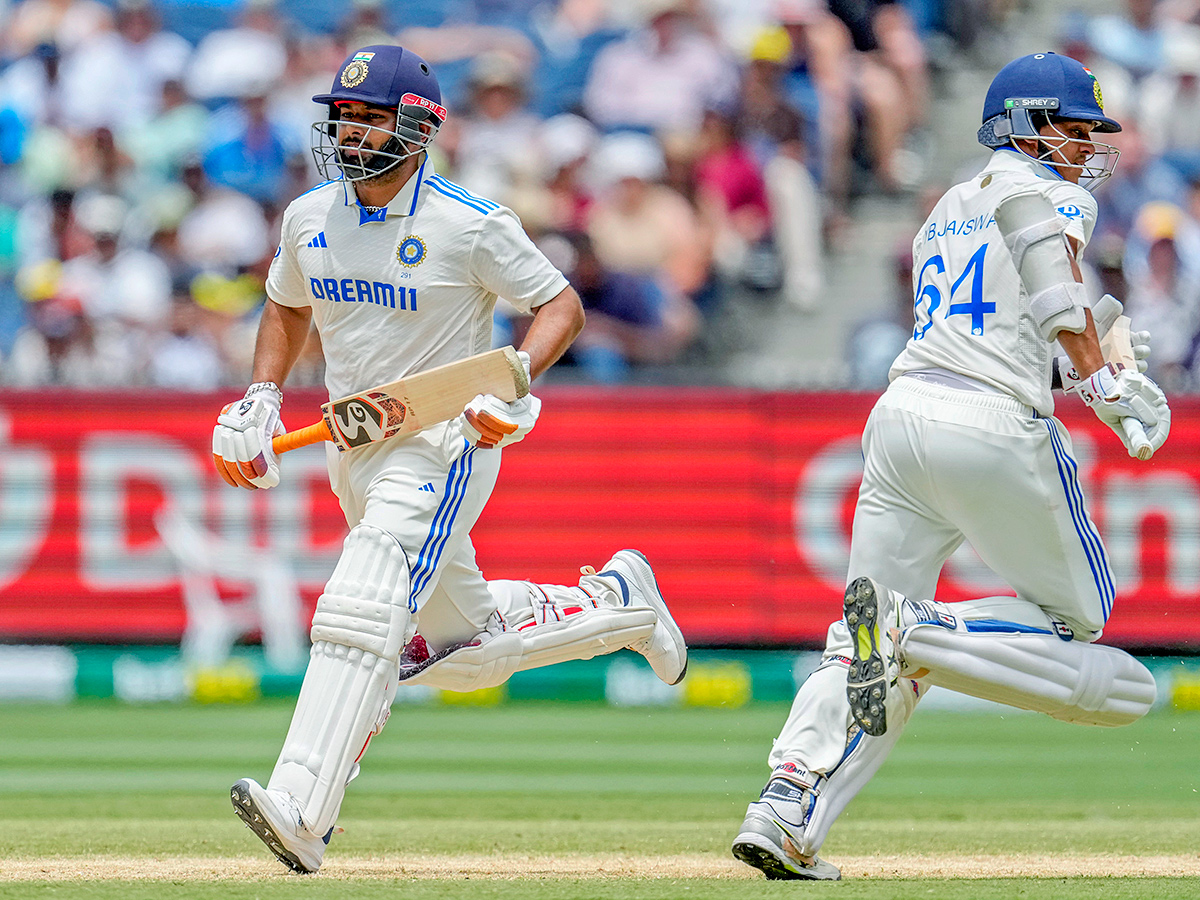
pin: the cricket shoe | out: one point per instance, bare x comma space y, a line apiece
871, 617
772, 830
275, 817
665, 648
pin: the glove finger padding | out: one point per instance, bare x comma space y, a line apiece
1140, 342
1129, 395
242, 448
490, 422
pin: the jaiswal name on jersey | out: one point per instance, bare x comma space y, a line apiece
971, 309
408, 287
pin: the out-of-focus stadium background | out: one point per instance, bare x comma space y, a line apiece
732, 185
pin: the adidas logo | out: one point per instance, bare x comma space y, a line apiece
428, 486
318, 241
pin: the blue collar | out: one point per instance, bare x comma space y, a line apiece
406, 198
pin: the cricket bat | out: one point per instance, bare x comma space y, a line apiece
412, 403
1118, 350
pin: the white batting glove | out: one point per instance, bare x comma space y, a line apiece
242, 448
490, 422
1127, 395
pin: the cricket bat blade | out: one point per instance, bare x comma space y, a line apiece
412, 403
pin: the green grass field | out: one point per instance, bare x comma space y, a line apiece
576, 801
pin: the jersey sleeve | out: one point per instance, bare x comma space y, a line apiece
285, 281
505, 262
1077, 208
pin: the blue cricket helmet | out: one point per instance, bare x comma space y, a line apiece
390, 77
384, 75
1059, 86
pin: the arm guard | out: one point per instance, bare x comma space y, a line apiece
1034, 235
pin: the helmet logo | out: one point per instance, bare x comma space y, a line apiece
411, 251
1095, 88
355, 73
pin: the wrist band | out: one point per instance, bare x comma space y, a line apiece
259, 386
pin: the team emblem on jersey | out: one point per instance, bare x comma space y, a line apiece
356, 72
411, 251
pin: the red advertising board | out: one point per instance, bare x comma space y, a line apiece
741, 499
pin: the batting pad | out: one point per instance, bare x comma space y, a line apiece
1089, 684
344, 700
583, 632
366, 602
486, 662
362, 622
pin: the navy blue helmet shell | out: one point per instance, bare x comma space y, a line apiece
388, 76
1048, 82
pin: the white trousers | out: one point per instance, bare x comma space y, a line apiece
942, 465
428, 490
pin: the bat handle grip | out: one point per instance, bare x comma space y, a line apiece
302, 437
1135, 433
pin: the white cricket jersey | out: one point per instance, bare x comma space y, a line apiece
410, 286
972, 311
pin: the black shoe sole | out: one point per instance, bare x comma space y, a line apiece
866, 682
247, 810
764, 860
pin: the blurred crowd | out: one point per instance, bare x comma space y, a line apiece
670, 156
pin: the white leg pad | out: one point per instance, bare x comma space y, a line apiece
344, 700
1089, 684
487, 661
366, 603
362, 621
567, 623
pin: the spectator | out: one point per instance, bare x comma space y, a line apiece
797, 219
251, 153
661, 76
560, 200
1170, 114
491, 153
224, 231
48, 228
732, 201
1139, 179
1162, 265
630, 320
64, 23
160, 145
185, 356
115, 78
125, 292
54, 347
239, 61
567, 35
1133, 41
32, 86
642, 227
101, 167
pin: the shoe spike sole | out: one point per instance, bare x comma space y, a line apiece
866, 683
244, 806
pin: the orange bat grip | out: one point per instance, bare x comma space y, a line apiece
302, 437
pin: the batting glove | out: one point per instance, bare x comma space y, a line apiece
1127, 394
242, 449
490, 422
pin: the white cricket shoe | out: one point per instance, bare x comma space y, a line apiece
772, 832
275, 817
665, 648
871, 617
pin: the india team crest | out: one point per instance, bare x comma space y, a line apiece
1096, 88
356, 70
411, 251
